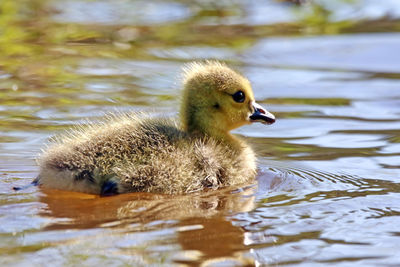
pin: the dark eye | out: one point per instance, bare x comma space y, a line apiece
239, 97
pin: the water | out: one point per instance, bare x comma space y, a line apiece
328, 187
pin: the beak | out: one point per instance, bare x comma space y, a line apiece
260, 114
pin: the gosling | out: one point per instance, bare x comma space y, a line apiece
136, 153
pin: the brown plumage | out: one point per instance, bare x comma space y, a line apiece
133, 152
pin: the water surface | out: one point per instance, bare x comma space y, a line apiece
328, 188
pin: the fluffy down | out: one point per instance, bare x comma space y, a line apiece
134, 152
146, 155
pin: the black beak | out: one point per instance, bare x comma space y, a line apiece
261, 115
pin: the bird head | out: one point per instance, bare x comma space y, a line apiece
217, 99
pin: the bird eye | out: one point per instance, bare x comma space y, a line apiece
239, 97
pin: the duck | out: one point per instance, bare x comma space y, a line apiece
136, 152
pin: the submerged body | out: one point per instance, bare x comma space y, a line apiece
136, 153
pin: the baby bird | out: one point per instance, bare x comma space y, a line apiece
137, 153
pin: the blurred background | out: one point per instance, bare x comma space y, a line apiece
328, 185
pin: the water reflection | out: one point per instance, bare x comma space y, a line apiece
142, 207
120, 12
197, 220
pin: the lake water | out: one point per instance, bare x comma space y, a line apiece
328, 186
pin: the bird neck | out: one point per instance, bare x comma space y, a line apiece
223, 136
197, 120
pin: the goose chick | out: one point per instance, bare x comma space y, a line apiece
133, 152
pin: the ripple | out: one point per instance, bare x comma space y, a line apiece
119, 12
345, 52
344, 141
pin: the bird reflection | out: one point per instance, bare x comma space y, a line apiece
202, 227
